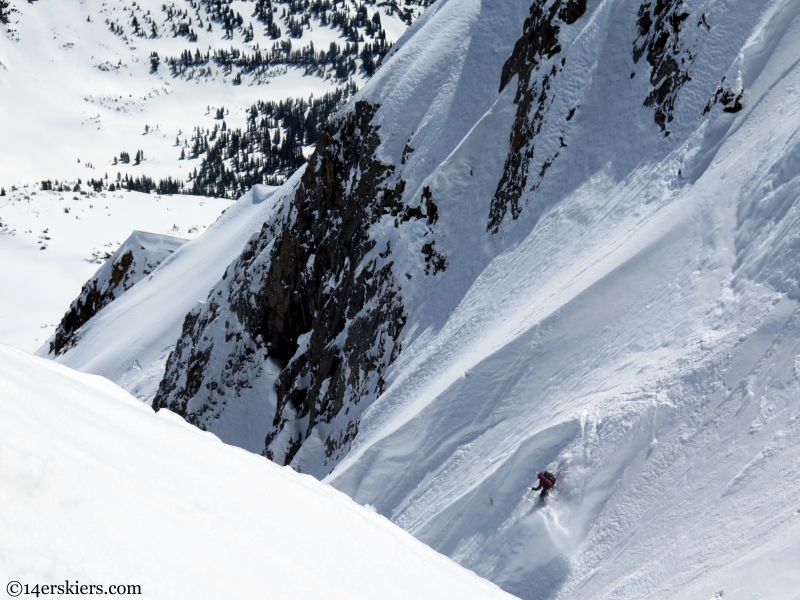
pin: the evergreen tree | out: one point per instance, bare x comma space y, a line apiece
4, 11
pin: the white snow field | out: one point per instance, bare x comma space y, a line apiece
52, 242
98, 489
635, 330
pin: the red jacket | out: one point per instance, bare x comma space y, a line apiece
544, 480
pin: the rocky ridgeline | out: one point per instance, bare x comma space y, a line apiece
306, 293
135, 259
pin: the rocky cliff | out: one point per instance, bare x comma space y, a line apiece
307, 293
134, 260
322, 290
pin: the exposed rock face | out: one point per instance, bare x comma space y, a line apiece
535, 60
538, 45
731, 100
659, 41
305, 293
136, 258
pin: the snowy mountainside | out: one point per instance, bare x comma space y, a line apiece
624, 337
546, 234
199, 96
99, 489
129, 339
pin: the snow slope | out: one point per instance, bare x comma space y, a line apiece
640, 339
591, 240
52, 242
134, 355
98, 489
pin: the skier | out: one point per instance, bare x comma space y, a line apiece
546, 482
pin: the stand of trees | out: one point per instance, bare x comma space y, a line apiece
357, 29
341, 60
268, 150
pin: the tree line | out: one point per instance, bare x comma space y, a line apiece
267, 150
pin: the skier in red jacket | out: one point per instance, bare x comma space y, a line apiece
546, 482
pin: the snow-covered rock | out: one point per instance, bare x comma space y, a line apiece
135, 259
52, 242
130, 339
100, 490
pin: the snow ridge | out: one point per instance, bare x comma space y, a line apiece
99, 489
135, 259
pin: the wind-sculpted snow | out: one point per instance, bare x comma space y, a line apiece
97, 489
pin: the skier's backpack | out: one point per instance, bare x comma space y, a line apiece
548, 478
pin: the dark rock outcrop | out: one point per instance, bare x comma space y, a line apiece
731, 101
538, 44
659, 24
306, 293
136, 258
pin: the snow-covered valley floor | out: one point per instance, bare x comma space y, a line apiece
51, 243
79, 86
